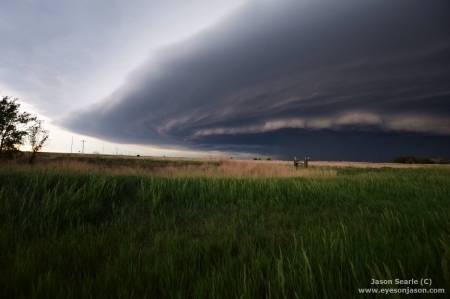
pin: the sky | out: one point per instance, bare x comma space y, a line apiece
333, 80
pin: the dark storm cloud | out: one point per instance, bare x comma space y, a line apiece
345, 66
332, 145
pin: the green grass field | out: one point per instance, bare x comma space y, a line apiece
71, 233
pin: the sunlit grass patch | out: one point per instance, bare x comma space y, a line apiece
220, 167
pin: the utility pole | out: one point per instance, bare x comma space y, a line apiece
83, 145
71, 145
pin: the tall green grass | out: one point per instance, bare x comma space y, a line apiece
75, 234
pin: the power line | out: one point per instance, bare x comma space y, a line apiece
83, 146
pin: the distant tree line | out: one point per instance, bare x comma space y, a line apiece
415, 160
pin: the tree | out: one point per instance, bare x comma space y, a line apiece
37, 136
13, 126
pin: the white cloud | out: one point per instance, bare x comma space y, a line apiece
359, 119
418, 123
320, 123
281, 124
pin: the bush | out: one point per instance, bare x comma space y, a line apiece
414, 160
405, 160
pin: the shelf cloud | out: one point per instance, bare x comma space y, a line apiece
349, 73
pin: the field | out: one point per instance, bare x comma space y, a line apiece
95, 227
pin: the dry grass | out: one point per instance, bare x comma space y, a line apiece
371, 165
212, 167
222, 167
240, 169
